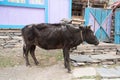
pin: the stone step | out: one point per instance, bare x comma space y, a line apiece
4, 37
9, 30
96, 59
103, 48
109, 72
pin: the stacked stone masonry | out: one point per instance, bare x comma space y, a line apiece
10, 38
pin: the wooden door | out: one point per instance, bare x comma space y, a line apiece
101, 20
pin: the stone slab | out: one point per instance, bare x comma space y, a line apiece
80, 58
83, 58
81, 72
109, 72
4, 37
105, 57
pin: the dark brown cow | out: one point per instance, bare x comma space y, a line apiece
55, 36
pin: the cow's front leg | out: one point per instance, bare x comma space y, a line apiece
65, 64
67, 59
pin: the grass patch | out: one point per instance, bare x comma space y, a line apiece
59, 56
6, 62
88, 77
97, 77
45, 57
48, 57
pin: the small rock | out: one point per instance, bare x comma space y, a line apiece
75, 64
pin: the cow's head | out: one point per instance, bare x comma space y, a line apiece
88, 35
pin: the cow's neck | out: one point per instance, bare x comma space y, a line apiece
81, 36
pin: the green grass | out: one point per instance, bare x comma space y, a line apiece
47, 57
97, 77
44, 57
59, 56
6, 62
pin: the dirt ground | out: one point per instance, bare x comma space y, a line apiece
12, 65
55, 72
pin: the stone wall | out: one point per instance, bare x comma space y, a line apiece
10, 38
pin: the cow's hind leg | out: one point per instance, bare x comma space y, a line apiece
32, 52
26, 49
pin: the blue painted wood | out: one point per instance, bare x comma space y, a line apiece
100, 22
70, 9
46, 11
6, 3
104, 14
11, 26
27, 1
101, 33
98, 15
86, 17
117, 26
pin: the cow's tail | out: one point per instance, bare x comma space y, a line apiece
24, 50
24, 45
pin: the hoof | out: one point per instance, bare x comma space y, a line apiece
65, 66
70, 71
36, 63
27, 64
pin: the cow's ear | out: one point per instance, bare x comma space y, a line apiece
89, 26
80, 27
